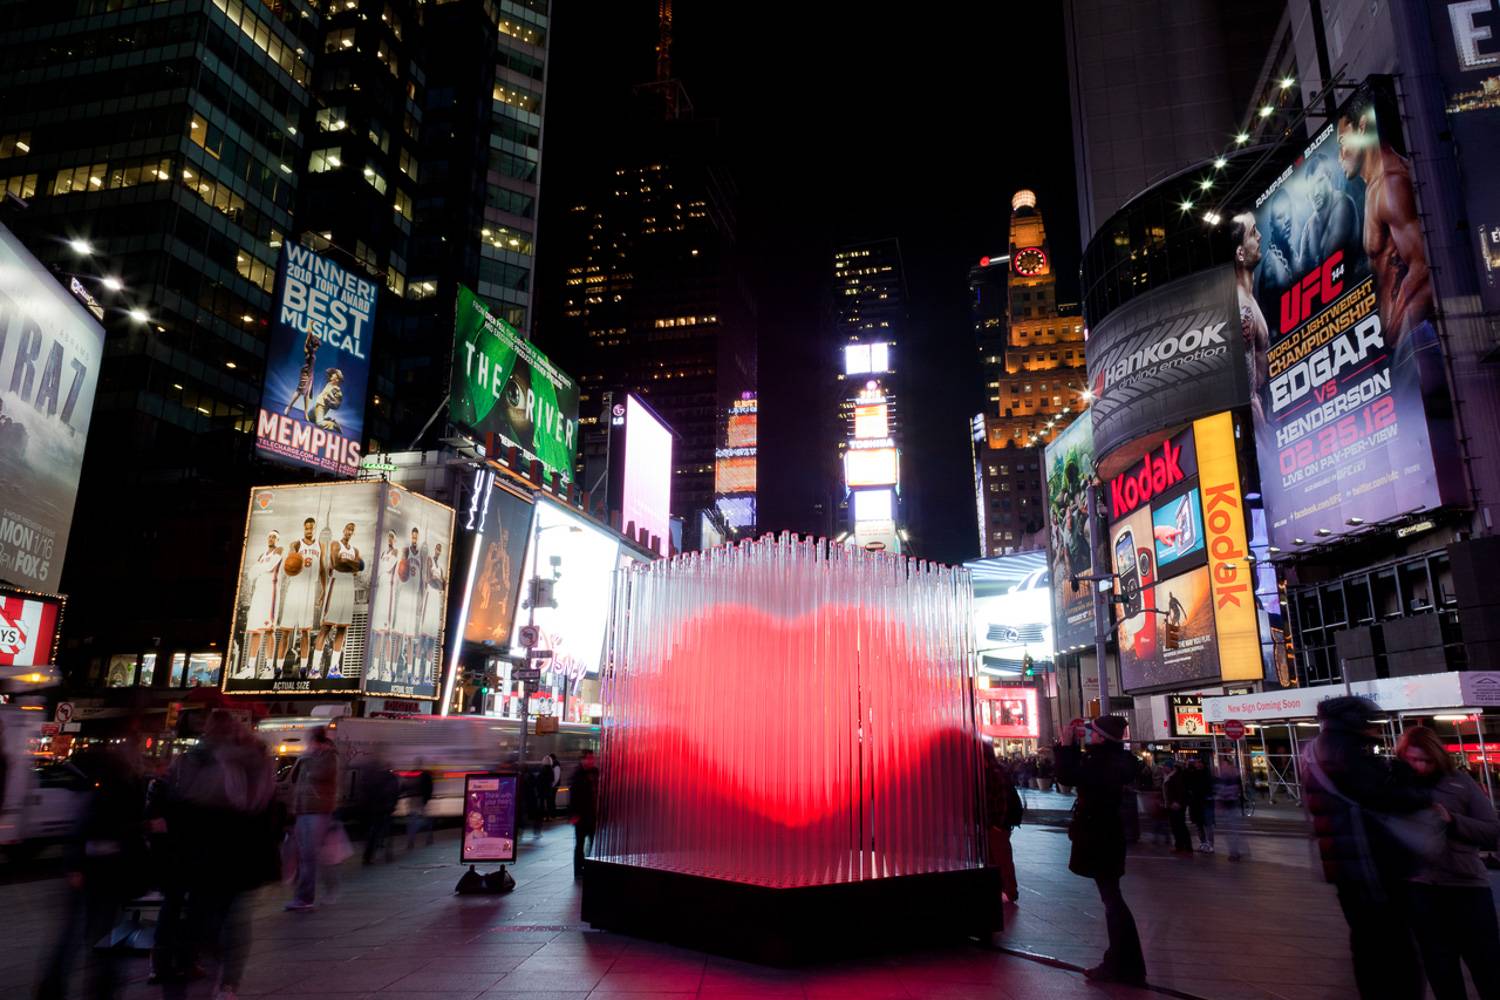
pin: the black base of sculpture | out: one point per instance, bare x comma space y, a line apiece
791, 926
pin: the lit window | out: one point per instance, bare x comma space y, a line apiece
324, 160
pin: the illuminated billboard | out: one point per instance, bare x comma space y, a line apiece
502, 521
342, 588
1353, 416
1179, 545
874, 505
862, 359
50, 351
1012, 611
312, 404
1069, 466
870, 420
28, 628
1008, 713
577, 562
501, 384
735, 464
870, 467
646, 493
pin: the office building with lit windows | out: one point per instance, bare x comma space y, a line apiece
183, 146
654, 300
1037, 386
869, 318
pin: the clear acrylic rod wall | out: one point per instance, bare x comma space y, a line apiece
786, 712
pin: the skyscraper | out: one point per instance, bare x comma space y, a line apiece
1040, 385
869, 317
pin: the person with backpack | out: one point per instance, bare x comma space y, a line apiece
1003, 809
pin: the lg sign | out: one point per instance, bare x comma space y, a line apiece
1157, 472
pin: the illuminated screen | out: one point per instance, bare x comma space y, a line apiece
862, 358
874, 505
870, 467
1012, 610
742, 426
648, 472
580, 560
28, 630
739, 512
870, 421
1008, 712
735, 474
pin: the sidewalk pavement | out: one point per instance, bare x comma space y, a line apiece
1262, 928
397, 932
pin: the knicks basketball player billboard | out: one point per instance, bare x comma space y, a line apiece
342, 587
1352, 410
1165, 358
502, 385
50, 348
312, 404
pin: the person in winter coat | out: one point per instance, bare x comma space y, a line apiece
583, 805
1200, 790
314, 798
1174, 796
1103, 773
1003, 814
1451, 904
1347, 790
419, 794
379, 790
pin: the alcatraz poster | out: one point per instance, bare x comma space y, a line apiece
312, 407
50, 349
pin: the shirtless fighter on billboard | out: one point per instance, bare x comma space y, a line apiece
1246, 237
1393, 232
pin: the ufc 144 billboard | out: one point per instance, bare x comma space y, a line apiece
1353, 416
342, 588
50, 349
312, 405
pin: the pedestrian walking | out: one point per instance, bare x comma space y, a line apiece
1229, 795
1003, 808
1103, 772
314, 797
1200, 800
583, 804
378, 790
1452, 905
106, 861
1174, 796
1364, 817
555, 767
1044, 771
218, 806
419, 796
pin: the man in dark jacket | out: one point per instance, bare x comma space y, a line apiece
1343, 784
1174, 796
583, 804
1102, 773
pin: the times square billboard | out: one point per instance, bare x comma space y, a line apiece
1068, 462
1321, 323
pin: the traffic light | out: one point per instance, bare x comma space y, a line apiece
1028, 666
1174, 633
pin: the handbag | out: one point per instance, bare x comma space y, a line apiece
335, 849
1421, 834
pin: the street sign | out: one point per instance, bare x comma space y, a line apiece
546, 724
530, 635
524, 674
64, 712
539, 654
1234, 729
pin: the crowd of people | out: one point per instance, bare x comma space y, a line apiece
1400, 837
215, 824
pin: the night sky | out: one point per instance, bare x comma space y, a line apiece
845, 128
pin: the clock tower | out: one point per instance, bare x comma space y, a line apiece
1036, 395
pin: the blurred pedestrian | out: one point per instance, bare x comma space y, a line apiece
1351, 796
1044, 773
378, 790
583, 804
1200, 802
1003, 810
1229, 812
1174, 797
555, 767
217, 807
1452, 905
419, 796
314, 798
106, 868
1102, 772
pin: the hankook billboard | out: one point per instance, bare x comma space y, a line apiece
1165, 358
